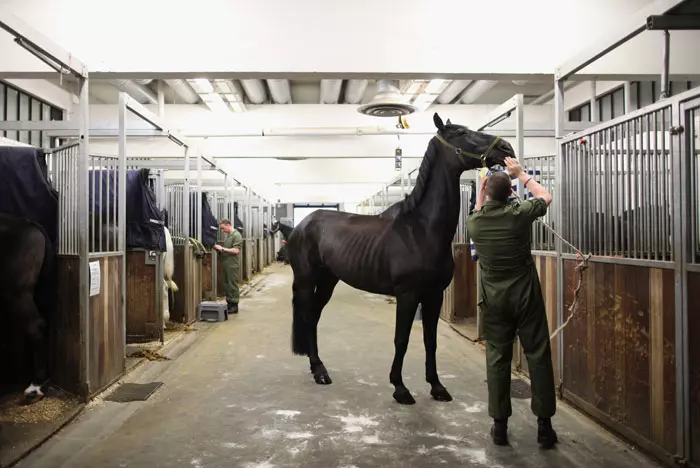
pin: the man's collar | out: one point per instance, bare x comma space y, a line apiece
494, 203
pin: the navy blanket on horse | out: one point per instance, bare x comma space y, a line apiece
25, 190
144, 221
210, 225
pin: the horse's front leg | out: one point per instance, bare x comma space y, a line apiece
406, 305
432, 303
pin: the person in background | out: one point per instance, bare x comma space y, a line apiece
230, 254
511, 298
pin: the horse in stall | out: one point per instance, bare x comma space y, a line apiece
405, 252
27, 287
286, 230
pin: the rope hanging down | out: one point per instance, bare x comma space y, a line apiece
580, 268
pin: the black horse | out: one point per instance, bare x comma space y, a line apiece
26, 288
405, 252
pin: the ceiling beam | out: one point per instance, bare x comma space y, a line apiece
622, 33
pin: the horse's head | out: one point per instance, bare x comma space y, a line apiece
275, 227
470, 149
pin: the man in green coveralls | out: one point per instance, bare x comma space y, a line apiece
231, 263
511, 298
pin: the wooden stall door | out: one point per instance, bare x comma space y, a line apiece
177, 311
207, 277
64, 329
460, 297
220, 276
194, 287
619, 351
106, 345
144, 312
260, 257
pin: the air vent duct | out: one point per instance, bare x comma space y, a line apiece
388, 102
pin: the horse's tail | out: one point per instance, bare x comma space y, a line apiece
169, 261
300, 330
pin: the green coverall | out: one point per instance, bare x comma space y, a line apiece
511, 302
231, 266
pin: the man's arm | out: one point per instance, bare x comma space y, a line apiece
482, 194
515, 170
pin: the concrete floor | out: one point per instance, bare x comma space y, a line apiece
238, 398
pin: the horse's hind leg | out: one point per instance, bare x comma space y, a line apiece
325, 284
28, 315
406, 305
432, 302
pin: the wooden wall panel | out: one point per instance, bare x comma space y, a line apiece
189, 282
177, 310
618, 350
219, 276
66, 357
259, 256
207, 278
194, 287
460, 297
694, 361
106, 341
143, 309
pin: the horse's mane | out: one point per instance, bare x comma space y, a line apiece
414, 198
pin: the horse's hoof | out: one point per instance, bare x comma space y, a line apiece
404, 397
33, 394
440, 394
323, 379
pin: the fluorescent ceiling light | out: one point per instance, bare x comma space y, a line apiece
225, 86
413, 88
211, 97
237, 106
201, 85
435, 86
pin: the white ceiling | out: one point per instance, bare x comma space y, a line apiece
309, 92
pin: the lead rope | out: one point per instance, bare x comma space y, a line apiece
580, 268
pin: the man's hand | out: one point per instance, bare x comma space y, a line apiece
514, 168
218, 248
235, 251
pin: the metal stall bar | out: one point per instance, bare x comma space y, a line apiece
559, 120
122, 204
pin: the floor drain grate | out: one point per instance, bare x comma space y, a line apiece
520, 389
133, 392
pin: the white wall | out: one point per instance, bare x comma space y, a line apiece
316, 36
367, 161
581, 92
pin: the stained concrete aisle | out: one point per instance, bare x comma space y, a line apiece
238, 398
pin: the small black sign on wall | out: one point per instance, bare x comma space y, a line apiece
397, 159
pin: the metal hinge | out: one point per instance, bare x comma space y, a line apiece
676, 130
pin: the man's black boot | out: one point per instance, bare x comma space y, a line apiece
499, 431
546, 436
233, 309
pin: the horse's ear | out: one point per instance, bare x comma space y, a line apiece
438, 122
448, 122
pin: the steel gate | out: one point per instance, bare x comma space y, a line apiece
629, 194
